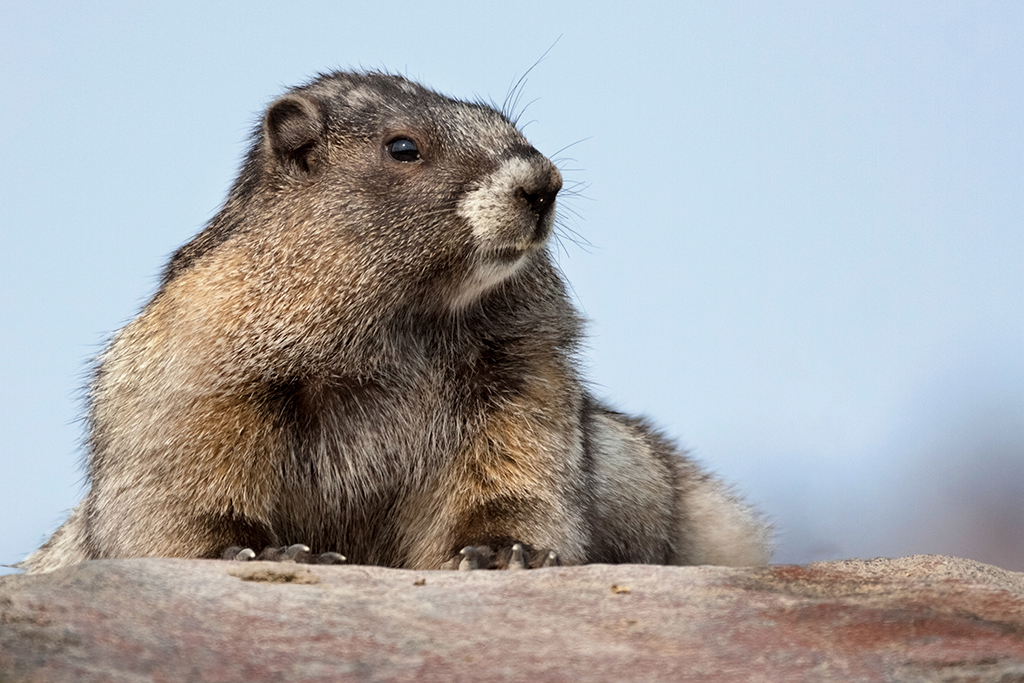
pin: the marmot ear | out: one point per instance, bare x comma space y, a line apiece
293, 128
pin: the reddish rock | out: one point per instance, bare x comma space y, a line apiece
923, 618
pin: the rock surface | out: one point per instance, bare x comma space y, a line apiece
922, 618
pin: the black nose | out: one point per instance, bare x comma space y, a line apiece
540, 202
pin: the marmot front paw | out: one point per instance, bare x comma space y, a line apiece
292, 553
516, 556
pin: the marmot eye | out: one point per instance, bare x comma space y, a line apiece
403, 149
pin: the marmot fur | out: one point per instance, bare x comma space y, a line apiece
369, 351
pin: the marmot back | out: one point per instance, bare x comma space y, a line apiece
369, 351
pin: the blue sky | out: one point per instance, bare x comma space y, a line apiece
806, 226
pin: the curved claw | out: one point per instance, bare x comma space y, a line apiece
517, 561
244, 555
551, 560
295, 552
230, 552
330, 558
470, 560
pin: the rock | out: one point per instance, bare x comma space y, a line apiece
922, 618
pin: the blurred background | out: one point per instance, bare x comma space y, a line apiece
802, 226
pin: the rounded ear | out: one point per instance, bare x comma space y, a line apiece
293, 127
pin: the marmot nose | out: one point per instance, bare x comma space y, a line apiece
541, 191
541, 202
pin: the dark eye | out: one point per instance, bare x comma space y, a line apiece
403, 149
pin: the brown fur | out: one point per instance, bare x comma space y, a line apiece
374, 355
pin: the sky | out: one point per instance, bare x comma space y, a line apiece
801, 227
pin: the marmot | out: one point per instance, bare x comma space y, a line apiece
368, 350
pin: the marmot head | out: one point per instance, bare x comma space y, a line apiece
397, 188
